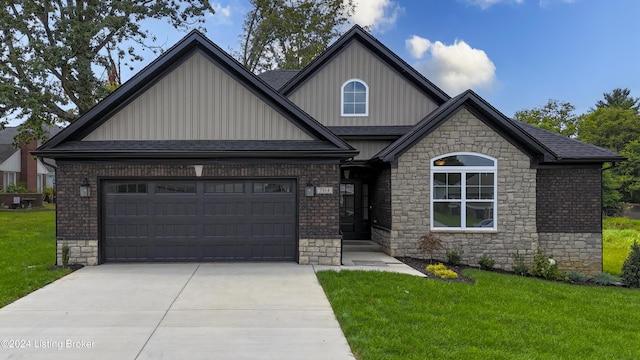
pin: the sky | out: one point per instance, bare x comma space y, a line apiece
517, 54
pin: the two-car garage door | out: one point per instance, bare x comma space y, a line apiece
204, 220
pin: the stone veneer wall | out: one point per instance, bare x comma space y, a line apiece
78, 218
516, 213
574, 251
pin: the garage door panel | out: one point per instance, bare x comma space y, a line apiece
200, 221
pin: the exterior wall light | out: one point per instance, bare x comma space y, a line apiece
85, 188
309, 190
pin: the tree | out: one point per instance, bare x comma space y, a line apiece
50, 50
619, 98
554, 116
616, 129
289, 34
610, 127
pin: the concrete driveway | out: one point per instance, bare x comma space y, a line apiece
176, 311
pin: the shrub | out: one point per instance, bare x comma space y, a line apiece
16, 189
519, 265
429, 244
486, 262
441, 271
454, 256
631, 267
546, 267
604, 278
577, 276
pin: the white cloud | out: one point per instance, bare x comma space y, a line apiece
454, 67
418, 46
375, 13
223, 15
485, 4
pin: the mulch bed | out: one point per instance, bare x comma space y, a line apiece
421, 265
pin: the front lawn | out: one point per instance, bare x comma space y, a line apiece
618, 235
27, 253
395, 316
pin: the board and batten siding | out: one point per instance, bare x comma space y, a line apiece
368, 148
392, 99
197, 101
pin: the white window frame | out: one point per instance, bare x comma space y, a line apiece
463, 170
5, 179
366, 105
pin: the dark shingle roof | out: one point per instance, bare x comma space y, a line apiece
545, 146
10, 132
563, 147
370, 130
277, 78
193, 148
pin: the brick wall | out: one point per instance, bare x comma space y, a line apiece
569, 200
381, 205
516, 213
78, 218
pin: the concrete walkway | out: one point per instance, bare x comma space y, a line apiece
176, 311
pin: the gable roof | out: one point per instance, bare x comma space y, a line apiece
357, 33
544, 146
277, 78
193, 42
6, 150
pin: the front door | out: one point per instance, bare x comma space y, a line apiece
354, 210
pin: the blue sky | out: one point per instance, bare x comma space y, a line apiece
517, 54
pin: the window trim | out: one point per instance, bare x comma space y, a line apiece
366, 104
463, 170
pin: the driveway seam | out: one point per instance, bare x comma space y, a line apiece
167, 311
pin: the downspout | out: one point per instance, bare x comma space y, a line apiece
55, 181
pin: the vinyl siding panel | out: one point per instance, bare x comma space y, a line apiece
392, 100
197, 101
368, 148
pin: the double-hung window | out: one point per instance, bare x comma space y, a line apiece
355, 98
463, 192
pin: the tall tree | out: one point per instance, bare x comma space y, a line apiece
50, 50
554, 116
619, 98
289, 34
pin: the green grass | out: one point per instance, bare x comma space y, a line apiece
27, 253
395, 316
617, 237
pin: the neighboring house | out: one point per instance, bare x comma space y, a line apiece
196, 159
19, 166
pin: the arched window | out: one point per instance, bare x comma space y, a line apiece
355, 98
463, 192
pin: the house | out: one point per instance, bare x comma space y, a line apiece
18, 166
196, 159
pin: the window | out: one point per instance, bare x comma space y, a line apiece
127, 188
8, 178
355, 98
271, 187
463, 192
221, 187
176, 188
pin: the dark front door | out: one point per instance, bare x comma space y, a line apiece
203, 220
354, 210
